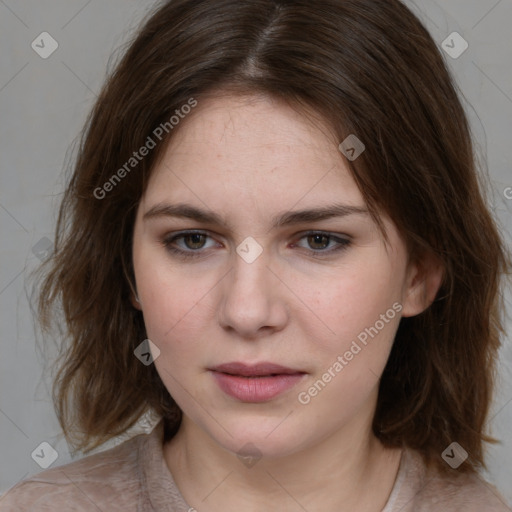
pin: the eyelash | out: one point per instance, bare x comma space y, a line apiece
167, 242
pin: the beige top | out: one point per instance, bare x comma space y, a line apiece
133, 476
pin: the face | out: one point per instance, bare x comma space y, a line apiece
273, 326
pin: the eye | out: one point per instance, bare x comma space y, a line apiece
192, 243
193, 240
321, 243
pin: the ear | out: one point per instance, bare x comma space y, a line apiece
135, 300
423, 280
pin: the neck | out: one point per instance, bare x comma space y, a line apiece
350, 470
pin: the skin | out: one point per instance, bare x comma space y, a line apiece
249, 159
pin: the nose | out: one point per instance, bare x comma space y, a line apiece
253, 300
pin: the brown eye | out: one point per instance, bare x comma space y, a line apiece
194, 240
189, 244
320, 244
319, 241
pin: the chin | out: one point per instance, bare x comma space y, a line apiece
256, 438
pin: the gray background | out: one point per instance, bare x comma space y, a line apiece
43, 104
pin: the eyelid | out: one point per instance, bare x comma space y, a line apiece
167, 240
343, 242
336, 236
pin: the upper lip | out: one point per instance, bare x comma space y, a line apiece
259, 369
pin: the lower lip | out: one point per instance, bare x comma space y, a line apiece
256, 389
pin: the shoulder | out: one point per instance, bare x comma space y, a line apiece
454, 491
465, 493
107, 480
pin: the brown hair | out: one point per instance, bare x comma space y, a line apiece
367, 67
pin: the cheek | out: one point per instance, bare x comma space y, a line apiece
349, 303
362, 313
168, 298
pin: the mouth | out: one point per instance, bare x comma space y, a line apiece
255, 383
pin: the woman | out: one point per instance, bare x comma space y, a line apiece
274, 239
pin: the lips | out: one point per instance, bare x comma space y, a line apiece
255, 383
257, 370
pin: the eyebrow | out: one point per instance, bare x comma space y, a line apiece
288, 218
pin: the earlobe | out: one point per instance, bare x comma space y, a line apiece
134, 299
422, 284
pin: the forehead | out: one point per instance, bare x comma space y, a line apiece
253, 145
